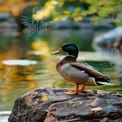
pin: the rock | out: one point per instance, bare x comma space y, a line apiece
4, 16
53, 105
109, 41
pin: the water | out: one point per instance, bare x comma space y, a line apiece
18, 79
4, 116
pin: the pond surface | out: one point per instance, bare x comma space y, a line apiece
18, 79
4, 116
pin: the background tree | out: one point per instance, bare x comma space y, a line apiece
77, 10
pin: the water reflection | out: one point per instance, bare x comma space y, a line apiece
43, 74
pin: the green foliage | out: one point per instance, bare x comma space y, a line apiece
77, 9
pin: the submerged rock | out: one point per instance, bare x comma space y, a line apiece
53, 105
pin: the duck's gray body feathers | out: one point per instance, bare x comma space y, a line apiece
81, 73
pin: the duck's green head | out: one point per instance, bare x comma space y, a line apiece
70, 48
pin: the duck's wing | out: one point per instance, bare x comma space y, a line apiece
91, 71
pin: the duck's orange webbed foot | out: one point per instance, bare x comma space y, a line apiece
82, 89
73, 92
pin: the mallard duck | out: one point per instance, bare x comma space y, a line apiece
79, 73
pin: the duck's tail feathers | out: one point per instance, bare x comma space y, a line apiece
105, 83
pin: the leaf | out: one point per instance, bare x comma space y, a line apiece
96, 109
74, 105
45, 98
